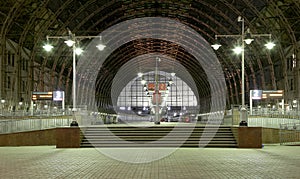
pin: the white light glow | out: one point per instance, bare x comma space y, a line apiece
216, 46
238, 50
269, 45
69, 42
78, 51
248, 41
143, 81
101, 47
48, 47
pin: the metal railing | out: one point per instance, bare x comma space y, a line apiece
29, 124
289, 134
269, 122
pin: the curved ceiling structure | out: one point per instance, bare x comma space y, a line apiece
28, 22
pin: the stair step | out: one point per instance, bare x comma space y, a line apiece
158, 145
158, 136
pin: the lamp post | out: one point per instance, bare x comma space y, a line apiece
245, 38
156, 92
71, 40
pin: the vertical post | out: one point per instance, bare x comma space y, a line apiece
2, 72
156, 92
31, 107
74, 77
2, 106
63, 102
243, 66
243, 113
282, 106
74, 122
251, 103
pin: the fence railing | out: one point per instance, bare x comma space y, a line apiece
21, 125
289, 134
269, 122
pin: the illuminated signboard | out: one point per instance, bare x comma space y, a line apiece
162, 86
36, 95
256, 94
58, 95
266, 94
151, 86
272, 94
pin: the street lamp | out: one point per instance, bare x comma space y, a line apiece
71, 40
245, 38
156, 92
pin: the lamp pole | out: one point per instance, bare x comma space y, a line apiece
71, 42
243, 114
157, 121
74, 122
247, 40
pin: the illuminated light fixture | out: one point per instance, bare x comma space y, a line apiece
140, 74
101, 46
269, 45
238, 50
78, 51
48, 47
248, 38
216, 45
143, 81
70, 42
173, 74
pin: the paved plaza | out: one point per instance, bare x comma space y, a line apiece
272, 161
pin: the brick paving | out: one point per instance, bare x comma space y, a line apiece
273, 161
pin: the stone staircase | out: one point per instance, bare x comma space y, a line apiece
158, 136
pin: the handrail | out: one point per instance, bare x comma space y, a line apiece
21, 125
289, 133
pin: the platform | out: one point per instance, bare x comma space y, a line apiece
272, 161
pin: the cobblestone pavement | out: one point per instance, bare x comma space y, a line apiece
272, 161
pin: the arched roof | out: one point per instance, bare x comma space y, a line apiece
27, 22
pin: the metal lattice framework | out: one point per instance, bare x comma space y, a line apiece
25, 24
